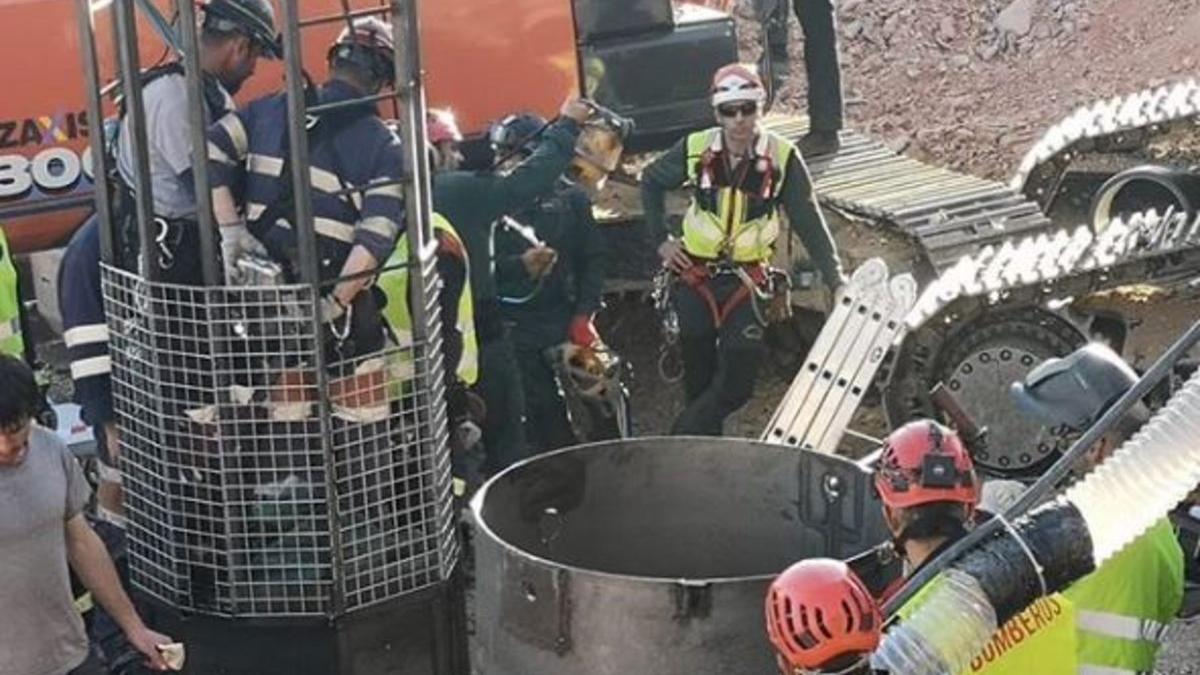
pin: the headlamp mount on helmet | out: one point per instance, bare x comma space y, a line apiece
253, 18
516, 134
924, 462
367, 45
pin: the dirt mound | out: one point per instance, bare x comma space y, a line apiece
971, 84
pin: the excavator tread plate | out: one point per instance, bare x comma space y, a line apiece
987, 232
1000, 218
944, 211
970, 209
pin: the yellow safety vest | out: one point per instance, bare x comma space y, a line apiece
11, 342
394, 284
1124, 608
1038, 640
724, 222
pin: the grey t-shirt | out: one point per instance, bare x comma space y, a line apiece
169, 144
41, 633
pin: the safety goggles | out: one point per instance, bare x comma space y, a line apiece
860, 665
745, 109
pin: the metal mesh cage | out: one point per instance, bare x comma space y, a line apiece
258, 485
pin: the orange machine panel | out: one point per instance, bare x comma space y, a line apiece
488, 58
482, 58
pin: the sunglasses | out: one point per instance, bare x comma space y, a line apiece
734, 109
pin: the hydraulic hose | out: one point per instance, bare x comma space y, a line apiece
1052, 546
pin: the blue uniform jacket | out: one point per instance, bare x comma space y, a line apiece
348, 148
84, 329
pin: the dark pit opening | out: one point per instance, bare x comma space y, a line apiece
682, 508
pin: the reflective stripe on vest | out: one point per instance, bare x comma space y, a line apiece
727, 232
1124, 627
394, 284
10, 328
1105, 670
11, 342
1126, 606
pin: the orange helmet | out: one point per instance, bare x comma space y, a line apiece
737, 82
440, 126
924, 462
820, 615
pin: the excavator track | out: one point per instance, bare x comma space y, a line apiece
947, 214
1008, 289
1156, 127
994, 264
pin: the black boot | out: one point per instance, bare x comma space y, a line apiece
819, 142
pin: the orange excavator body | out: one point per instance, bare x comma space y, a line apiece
482, 58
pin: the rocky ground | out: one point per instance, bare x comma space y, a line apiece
972, 83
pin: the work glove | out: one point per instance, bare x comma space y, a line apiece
673, 255
236, 243
331, 309
576, 109
582, 332
538, 261
832, 286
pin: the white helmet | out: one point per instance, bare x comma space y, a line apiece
370, 45
737, 82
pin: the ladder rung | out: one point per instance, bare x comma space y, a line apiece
354, 14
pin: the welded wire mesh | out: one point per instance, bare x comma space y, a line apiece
252, 489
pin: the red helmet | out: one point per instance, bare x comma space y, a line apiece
818, 612
440, 126
737, 82
924, 462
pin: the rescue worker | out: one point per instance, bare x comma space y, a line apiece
85, 333
1123, 609
444, 137
12, 341
233, 36
473, 201
549, 288
742, 179
348, 146
818, 21
822, 619
927, 483
459, 348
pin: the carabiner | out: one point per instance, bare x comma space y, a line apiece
166, 258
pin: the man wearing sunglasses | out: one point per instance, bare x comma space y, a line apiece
822, 620
743, 179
